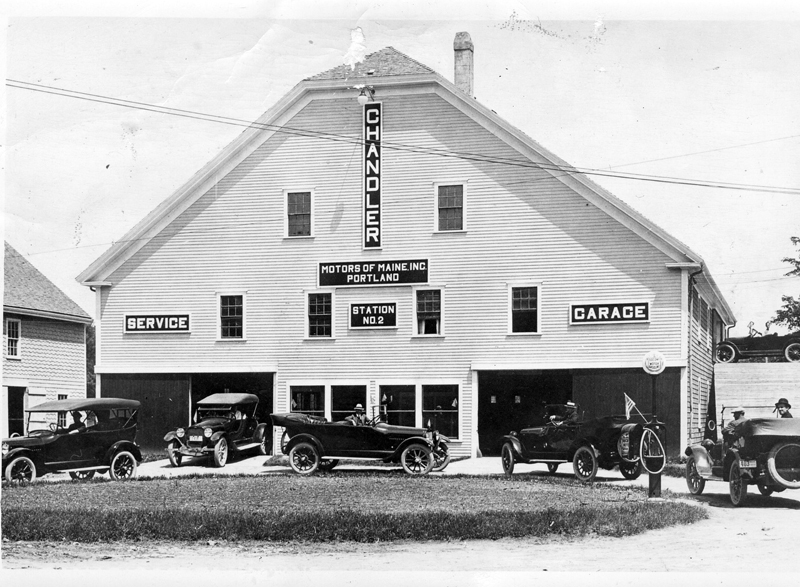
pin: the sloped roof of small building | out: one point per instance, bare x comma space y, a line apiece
28, 291
384, 63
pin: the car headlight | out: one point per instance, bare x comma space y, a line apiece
624, 445
428, 435
180, 433
207, 432
6, 448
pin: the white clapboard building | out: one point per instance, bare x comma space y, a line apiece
380, 237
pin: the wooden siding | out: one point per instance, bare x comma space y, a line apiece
523, 226
756, 386
700, 366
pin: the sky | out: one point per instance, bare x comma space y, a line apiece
670, 93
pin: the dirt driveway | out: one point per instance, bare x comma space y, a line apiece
759, 537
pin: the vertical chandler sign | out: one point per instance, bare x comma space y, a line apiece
373, 129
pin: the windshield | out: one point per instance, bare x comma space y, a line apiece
206, 413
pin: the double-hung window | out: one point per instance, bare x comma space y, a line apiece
440, 408
299, 213
231, 317
449, 207
13, 333
524, 309
308, 399
429, 312
320, 315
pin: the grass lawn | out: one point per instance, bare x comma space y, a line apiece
340, 506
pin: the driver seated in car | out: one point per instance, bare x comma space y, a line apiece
572, 415
77, 423
357, 418
733, 429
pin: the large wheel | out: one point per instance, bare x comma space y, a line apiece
173, 453
585, 464
417, 459
304, 458
221, 453
284, 441
265, 444
123, 466
694, 481
630, 470
783, 464
81, 475
327, 465
726, 353
552, 468
441, 458
738, 487
507, 458
792, 352
20, 470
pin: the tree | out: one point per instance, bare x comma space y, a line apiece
789, 314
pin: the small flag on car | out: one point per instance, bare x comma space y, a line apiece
629, 405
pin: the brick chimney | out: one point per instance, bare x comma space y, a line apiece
464, 63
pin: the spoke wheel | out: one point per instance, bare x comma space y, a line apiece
123, 466
221, 453
552, 468
265, 444
173, 453
304, 458
584, 464
81, 475
441, 458
726, 353
507, 459
326, 465
694, 481
630, 471
20, 471
738, 487
417, 459
792, 352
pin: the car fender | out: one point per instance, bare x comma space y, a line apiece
303, 437
592, 443
261, 432
216, 436
21, 451
124, 445
173, 435
702, 459
515, 443
730, 456
408, 441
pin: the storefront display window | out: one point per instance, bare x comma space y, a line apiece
440, 408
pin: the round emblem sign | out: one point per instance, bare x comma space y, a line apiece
654, 363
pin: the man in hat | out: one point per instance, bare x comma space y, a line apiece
782, 407
733, 429
357, 418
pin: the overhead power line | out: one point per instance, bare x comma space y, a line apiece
563, 169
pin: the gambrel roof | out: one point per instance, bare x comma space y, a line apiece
28, 292
390, 70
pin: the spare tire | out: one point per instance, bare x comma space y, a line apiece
783, 464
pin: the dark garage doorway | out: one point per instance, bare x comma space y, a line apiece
260, 384
512, 400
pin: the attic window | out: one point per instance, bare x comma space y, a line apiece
299, 213
13, 331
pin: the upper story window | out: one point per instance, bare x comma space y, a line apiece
299, 213
13, 332
450, 207
320, 315
525, 309
231, 316
429, 311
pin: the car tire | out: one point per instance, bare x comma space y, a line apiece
694, 481
774, 468
221, 453
20, 470
304, 458
327, 465
265, 444
552, 468
284, 441
81, 475
123, 466
507, 458
726, 353
584, 464
173, 453
792, 352
630, 471
441, 459
737, 485
416, 459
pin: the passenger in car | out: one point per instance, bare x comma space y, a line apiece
782, 407
357, 417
